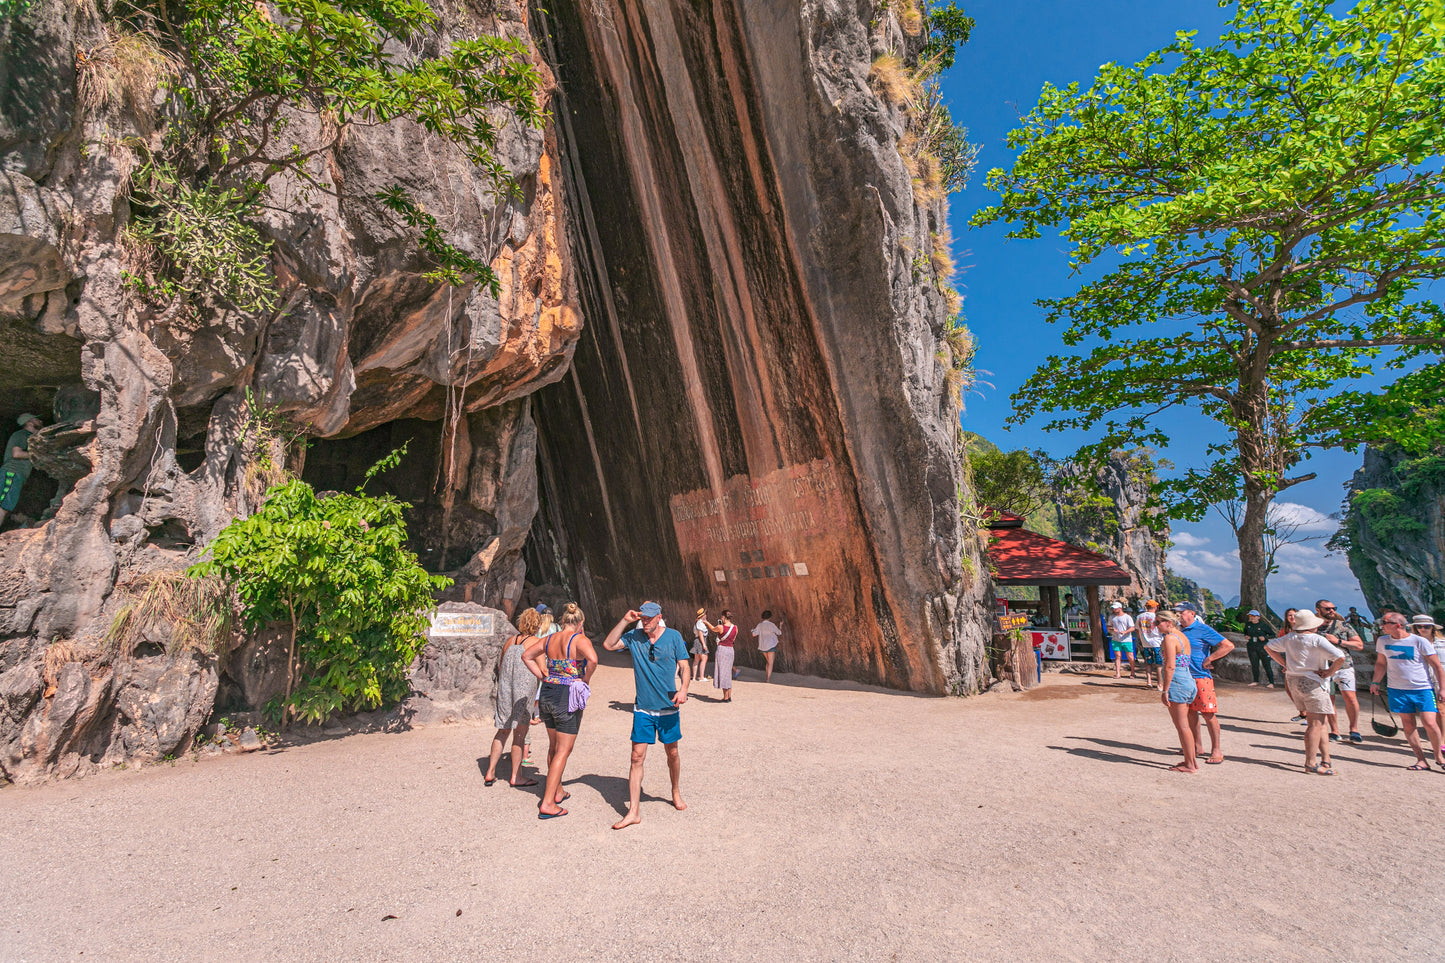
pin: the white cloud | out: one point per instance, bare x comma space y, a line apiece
1207, 568
1305, 518
1186, 540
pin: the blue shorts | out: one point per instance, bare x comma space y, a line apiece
1182, 688
1151, 655
650, 727
10, 485
1406, 701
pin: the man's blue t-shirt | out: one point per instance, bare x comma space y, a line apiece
654, 666
1202, 640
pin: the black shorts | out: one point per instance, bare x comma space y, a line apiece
552, 708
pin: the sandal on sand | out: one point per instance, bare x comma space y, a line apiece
488, 782
1323, 770
1356, 737
523, 783
1214, 762
542, 815
1419, 767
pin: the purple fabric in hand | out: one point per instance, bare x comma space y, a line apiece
577, 695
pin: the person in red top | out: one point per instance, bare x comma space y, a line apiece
722, 667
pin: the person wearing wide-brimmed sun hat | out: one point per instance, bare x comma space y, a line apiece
1309, 661
16, 468
1408, 661
1428, 629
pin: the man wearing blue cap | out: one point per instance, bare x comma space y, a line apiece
16, 467
1206, 647
659, 656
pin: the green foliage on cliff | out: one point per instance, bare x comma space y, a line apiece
189, 243
1267, 211
1398, 511
948, 29
268, 90
337, 573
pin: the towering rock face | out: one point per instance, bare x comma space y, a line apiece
157, 446
1116, 521
1394, 531
755, 417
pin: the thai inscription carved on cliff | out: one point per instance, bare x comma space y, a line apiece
777, 512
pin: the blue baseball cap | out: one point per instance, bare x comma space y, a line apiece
1253, 612
649, 610
1186, 607
542, 609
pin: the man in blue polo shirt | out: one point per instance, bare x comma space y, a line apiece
1206, 647
659, 656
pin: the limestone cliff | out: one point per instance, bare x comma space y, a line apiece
758, 413
1113, 517
155, 446
1394, 531
756, 417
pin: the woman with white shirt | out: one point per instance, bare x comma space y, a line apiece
1309, 660
767, 635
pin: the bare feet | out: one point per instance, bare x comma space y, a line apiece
677, 802
1183, 768
631, 819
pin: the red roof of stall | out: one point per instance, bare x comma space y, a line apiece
1022, 557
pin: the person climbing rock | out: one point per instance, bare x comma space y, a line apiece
17, 464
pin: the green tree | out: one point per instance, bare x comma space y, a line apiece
1263, 212
337, 573
1010, 481
948, 29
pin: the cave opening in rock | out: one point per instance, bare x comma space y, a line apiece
41, 376
442, 544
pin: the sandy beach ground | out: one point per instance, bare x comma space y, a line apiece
825, 822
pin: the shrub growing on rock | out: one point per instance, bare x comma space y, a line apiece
336, 571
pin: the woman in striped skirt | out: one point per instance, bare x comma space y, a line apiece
722, 667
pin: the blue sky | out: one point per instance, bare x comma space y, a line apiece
1015, 49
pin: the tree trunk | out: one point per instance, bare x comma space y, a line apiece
1253, 566
1096, 627
290, 668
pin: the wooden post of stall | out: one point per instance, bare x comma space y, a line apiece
1096, 628
1056, 614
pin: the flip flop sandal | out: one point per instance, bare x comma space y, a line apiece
1324, 770
1356, 737
542, 815
521, 785
488, 782
1419, 767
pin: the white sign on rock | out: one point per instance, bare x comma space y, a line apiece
461, 623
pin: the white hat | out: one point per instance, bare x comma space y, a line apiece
1307, 621
1117, 605
1424, 622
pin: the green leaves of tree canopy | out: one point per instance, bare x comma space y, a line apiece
1265, 211
336, 571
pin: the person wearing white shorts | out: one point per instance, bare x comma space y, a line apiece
1339, 632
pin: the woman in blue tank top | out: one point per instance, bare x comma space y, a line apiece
1178, 686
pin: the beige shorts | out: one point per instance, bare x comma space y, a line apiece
1311, 694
